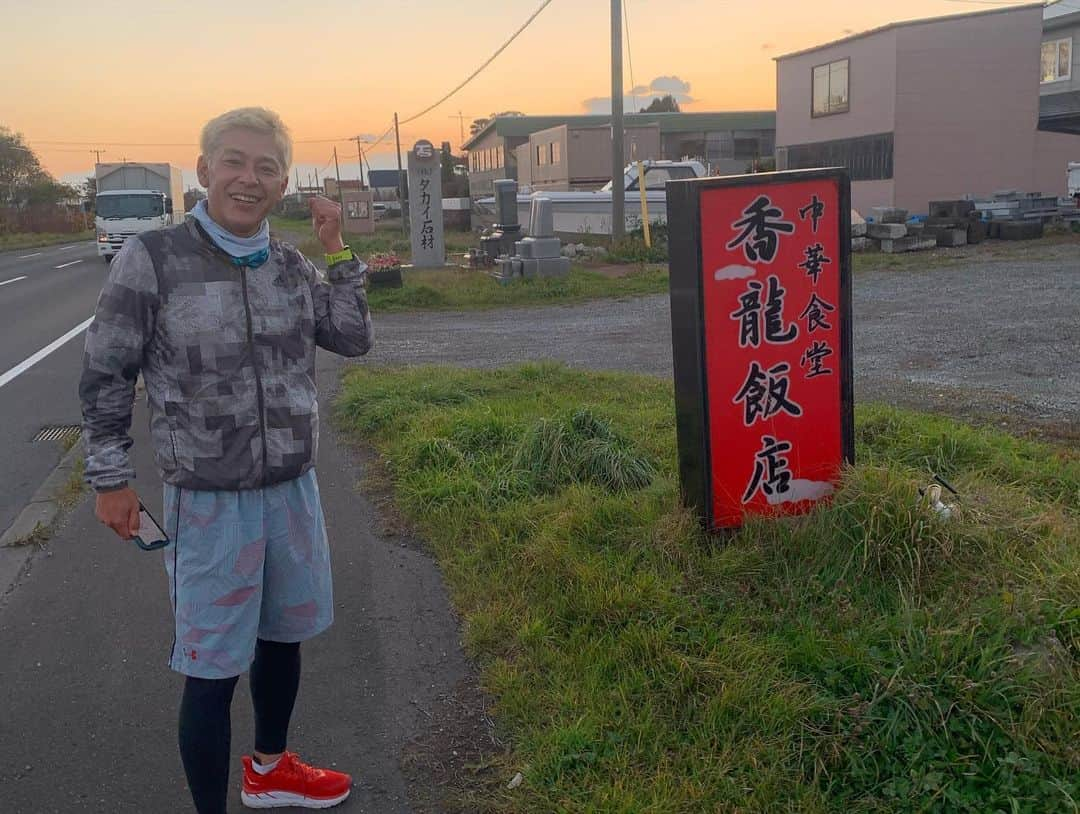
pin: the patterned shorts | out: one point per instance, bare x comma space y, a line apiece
245, 565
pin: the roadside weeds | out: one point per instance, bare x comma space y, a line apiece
870, 656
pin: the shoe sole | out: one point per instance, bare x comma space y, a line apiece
284, 799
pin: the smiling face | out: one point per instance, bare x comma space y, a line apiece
244, 177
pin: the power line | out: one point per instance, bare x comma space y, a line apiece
373, 144
487, 62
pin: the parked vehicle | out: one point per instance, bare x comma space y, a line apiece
134, 197
1074, 180
590, 212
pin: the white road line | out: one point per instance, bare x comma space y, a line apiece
65, 265
29, 362
65, 248
24, 256
13, 280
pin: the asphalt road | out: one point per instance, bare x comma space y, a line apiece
44, 294
88, 704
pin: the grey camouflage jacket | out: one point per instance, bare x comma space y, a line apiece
227, 354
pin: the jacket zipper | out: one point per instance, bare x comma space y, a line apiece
255, 365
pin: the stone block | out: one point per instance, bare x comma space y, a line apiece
907, 244
976, 231
541, 217
890, 214
858, 224
886, 231
552, 267
945, 223
898, 245
544, 246
915, 228
506, 192
956, 210
861, 244
952, 237
1021, 229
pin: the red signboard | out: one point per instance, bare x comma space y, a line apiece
765, 263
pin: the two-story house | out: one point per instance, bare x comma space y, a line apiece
932, 109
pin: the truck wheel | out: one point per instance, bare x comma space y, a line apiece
108, 258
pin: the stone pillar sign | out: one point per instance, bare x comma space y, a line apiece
425, 206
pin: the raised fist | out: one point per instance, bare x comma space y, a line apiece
326, 223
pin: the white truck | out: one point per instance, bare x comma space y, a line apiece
133, 197
1073, 180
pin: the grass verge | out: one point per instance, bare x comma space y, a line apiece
467, 289
34, 240
869, 657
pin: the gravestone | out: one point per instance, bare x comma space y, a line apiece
425, 206
539, 254
507, 229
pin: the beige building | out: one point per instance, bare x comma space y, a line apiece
726, 142
575, 157
1059, 70
925, 110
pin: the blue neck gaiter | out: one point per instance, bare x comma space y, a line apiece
245, 251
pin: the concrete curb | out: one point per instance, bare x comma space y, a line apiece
37, 518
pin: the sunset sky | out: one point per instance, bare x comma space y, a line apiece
150, 73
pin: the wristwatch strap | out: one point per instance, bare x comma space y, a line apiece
339, 257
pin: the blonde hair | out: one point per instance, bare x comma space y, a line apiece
258, 119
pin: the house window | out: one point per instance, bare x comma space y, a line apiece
554, 149
540, 155
830, 91
1056, 60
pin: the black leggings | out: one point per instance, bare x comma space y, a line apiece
206, 729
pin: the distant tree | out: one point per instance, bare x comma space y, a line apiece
89, 187
45, 190
20, 170
479, 124
662, 104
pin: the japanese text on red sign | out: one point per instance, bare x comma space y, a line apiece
772, 340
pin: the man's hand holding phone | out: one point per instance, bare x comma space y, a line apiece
119, 510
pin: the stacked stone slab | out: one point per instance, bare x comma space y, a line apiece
954, 223
859, 241
886, 231
890, 214
540, 254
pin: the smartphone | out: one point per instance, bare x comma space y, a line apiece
151, 536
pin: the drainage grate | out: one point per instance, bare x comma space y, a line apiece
59, 432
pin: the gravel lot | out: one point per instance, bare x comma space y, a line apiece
983, 339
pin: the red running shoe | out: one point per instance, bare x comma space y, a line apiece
293, 783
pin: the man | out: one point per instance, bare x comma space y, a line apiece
223, 322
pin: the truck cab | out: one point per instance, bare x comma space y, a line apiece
127, 212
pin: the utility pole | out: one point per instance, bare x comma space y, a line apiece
297, 181
400, 191
461, 123
618, 187
97, 155
340, 195
317, 179
360, 157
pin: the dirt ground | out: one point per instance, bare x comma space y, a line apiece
990, 334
